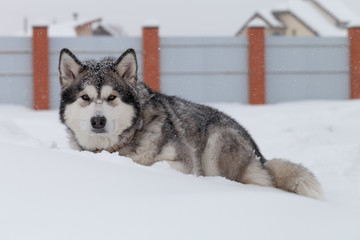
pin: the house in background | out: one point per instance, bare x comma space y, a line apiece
107, 29
82, 27
304, 18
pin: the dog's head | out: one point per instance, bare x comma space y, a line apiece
98, 98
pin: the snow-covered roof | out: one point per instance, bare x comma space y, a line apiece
65, 29
309, 14
311, 17
68, 29
262, 18
339, 11
62, 30
112, 29
268, 16
257, 23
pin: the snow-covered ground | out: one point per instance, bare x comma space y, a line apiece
48, 191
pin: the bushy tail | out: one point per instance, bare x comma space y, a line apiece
294, 178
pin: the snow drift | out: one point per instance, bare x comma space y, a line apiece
49, 191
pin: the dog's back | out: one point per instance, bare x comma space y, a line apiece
198, 139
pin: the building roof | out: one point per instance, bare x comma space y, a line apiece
311, 17
65, 29
268, 16
306, 13
256, 23
68, 29
339, 11
109, 28
265, 16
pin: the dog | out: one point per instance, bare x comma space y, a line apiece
106, 108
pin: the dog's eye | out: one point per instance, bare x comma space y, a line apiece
85, 97
111, 98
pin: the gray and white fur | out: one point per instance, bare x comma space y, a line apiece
105, 107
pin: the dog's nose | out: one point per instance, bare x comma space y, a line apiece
98, 122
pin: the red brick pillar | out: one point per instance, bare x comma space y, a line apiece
256, 61
354, 40
40, 68
151, 56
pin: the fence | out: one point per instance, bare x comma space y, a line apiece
216, 69
316, 69
16, 71
205, 69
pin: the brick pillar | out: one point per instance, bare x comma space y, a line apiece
354, 40
256, 61
40, 68
151, 56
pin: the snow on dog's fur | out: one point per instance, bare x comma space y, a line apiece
105, 107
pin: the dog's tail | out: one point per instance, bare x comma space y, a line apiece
294, 178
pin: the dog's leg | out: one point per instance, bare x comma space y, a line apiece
234, 158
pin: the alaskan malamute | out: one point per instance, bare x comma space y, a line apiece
106, 108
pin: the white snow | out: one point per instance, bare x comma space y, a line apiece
257, 23
151, 23
62, 30
48, 191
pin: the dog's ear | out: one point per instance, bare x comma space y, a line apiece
126, 66
69, 67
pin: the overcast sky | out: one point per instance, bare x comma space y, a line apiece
175, 17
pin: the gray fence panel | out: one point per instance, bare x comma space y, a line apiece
306, 68
19, 63
204, 69
295, 87
96, 45
212, 88
16, 71
16, 90
88, 48
200, 69
16, 44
